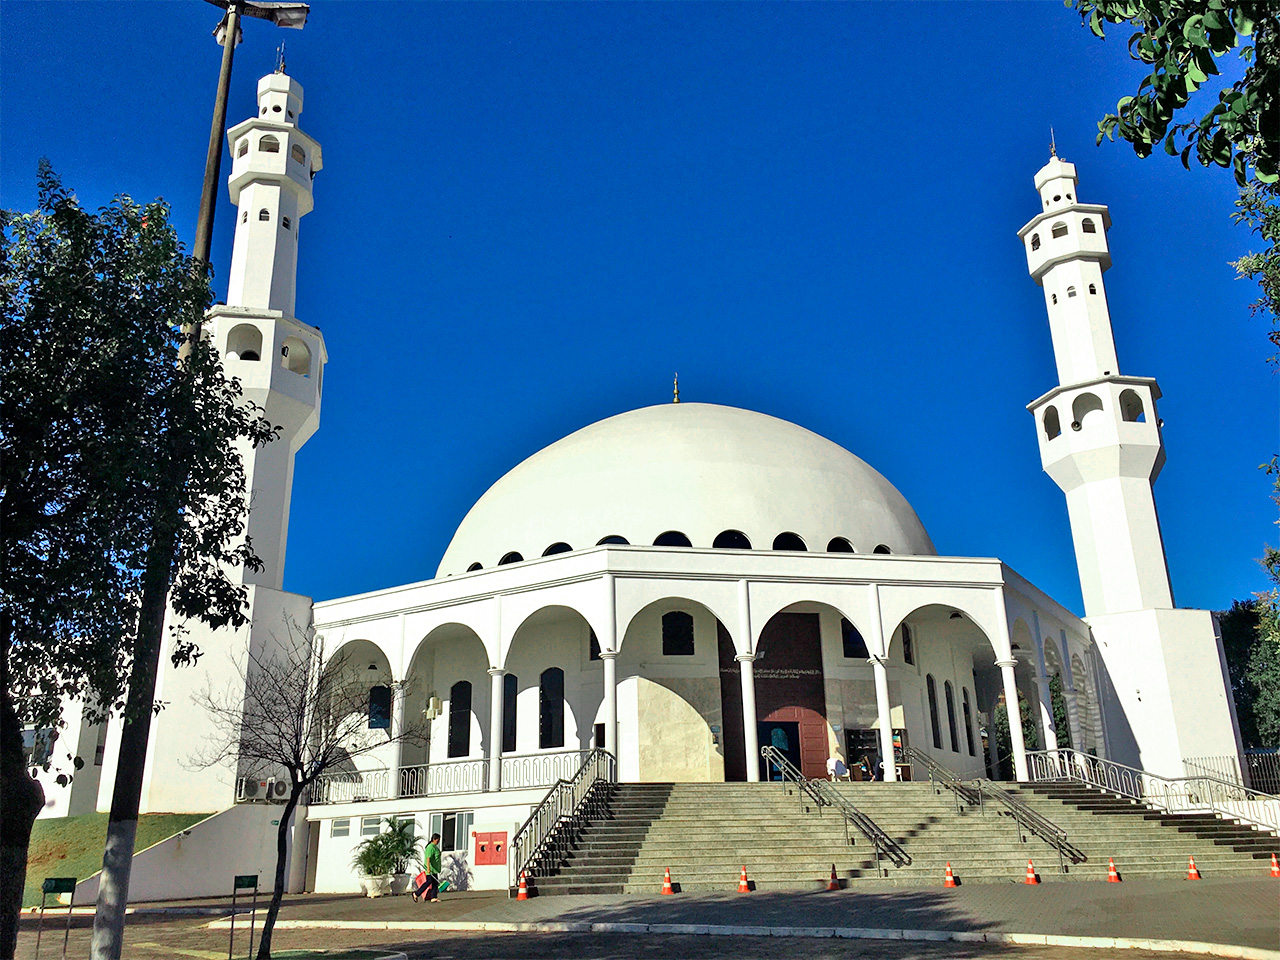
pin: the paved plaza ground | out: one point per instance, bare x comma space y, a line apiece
1225, 911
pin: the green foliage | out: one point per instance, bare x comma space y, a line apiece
374, 857
1059, 702
1259, 209
1181, 40
1004, 741
392, 851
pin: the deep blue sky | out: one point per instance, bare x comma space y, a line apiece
532, 214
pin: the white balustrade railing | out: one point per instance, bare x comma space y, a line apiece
1197, 794
540, 769
352, 787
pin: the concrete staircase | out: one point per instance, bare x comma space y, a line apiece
706, 832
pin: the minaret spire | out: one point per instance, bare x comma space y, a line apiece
676, 388
1053, 141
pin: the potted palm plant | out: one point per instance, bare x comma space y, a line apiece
374, 863
404, 847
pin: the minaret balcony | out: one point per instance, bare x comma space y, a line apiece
279, 152
1099, 430
1076, 232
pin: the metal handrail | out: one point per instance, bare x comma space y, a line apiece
976, 792
1175, 795
541, 844
824, 794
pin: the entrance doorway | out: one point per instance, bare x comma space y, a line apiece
784, 736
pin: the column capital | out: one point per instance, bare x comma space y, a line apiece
608, 654
1042, 680
497, 671
745, 658
1010, 663
877, 660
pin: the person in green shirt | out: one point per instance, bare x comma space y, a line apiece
429, 880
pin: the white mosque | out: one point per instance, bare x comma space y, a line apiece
682, 584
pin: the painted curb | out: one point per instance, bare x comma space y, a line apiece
1232, 951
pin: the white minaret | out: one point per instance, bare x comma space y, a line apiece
278, 359
1163, 681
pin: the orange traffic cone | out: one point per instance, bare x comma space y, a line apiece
1031, 874
666, 884
833, 883
523, 892
1113, 875
743, 886
1275, 866
1193, 872
950, 879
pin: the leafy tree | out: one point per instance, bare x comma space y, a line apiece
118, 483
1058, 701
1239, 629
1004, 740
290, 711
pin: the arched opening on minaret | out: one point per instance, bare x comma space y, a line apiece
1087, 226
244, 342
1082, 407
297, 153
269, 144
1059, 229
1131, 409
242, 148
1052, 425
295, 357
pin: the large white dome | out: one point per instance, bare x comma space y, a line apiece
696, 468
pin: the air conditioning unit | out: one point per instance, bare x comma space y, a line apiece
251, 790
433, 708
277, 790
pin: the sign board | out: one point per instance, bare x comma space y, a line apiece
59, 885
246, 881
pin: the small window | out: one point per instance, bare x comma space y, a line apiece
269, 144
789, 541
474, 567
380, 708
951, 716
839, 545
1083, 406
370, 826
244, 216
551, 708
340, 828
1087, 226
296, 152
264, 111
677, 634
1071, 292
295, 356
276, 108
555, 548
289, 114
264, 214
460, 719
454, 830
510, 690
613, 539
1052, 425
968, 720
855, 648
1059, 228
512, 557
672, 538
935, 726
242, 148
284, 222
1035, 241
731, 540
1093, 289
1057, 197
881, 548
1053, 297
908, 646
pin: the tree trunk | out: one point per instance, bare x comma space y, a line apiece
21, 799
282, 864
122, 826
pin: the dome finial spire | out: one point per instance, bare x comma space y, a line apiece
1053, 143
280, 58
676, 387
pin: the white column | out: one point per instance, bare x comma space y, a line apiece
300, 841
1047, 729
609, 654
1015, 718
497, 688
746, 667
750, 734
397, 733
885, 713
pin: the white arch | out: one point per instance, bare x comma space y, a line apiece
854, 602
720, 597
586, 598
980, 604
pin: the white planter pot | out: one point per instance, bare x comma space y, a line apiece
376, 886
400, 884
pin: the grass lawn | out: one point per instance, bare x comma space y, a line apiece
330, 954
72, 846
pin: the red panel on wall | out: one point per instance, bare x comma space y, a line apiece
491, 849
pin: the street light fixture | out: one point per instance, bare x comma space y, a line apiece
282, 14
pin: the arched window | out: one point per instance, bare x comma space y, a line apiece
460, 719
475, 566
731, 540
1131, 407
510, 690
242, 148
555, 548
551, 708
264, 214
968, 720
296, 152
269, 144
244, 216
839, 545
908, 646
1052, 426
295, 356
380, 708
284, 222
1035, 241
789, 541
1084, 405
244, 342
677, 634
1059, 229
614, 539
934, 726
881, 548
1087, 226
1071, 292
672, 538
951, 716
1053, 297
512, 557
1093, 288
855, 648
